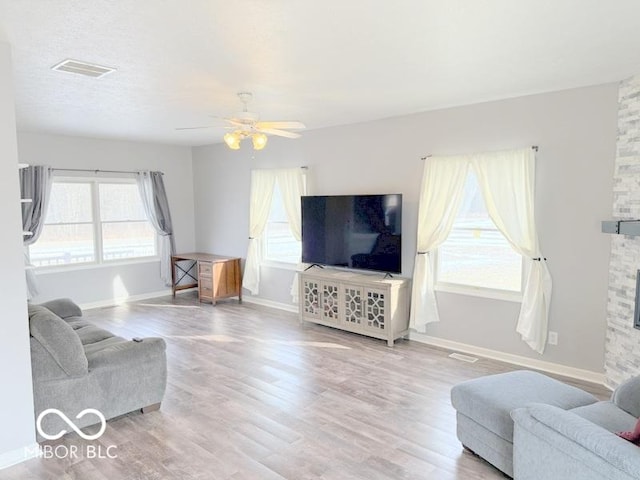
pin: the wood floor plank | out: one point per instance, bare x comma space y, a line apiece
251, 394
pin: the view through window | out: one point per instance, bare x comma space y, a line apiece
476, 254
93, 221
280, 245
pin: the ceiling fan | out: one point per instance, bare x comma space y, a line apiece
247, 124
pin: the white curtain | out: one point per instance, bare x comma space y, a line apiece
35, 183
156, 206
262, 183
292, 186
440, 196
507, 181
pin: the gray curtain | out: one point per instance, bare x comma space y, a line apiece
35, 183
156, 206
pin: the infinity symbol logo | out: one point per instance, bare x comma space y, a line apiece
103, 423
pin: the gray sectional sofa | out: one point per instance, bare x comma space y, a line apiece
533, 427
77, 365
550, 443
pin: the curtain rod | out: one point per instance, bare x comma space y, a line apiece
533, 147
113, 171
303, 167
95, 170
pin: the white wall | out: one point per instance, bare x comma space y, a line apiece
576, 132
105, 283
16, 401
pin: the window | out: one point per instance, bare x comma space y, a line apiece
476, 255
93, 221
279, 243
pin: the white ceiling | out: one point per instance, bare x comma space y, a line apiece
323, 62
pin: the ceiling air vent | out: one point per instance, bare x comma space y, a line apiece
82, 68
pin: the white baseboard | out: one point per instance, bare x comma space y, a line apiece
19, 455
556, 368
270, 303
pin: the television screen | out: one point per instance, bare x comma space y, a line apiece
353, 231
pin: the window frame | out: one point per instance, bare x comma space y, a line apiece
97, 229
478, 291
271, 262
483, 292
275, 263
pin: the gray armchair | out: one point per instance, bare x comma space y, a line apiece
77, 365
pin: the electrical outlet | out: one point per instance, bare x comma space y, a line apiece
553, 338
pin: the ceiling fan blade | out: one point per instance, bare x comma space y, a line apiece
233, 121
195, 128
279, 124
279, 133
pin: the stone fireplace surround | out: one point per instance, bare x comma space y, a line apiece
622, 348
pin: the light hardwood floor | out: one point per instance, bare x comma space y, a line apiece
252, 395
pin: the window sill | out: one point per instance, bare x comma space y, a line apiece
280, 265
480, 292
93, 266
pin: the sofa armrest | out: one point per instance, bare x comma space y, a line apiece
63, 307
579, 438
126, 353
627, 396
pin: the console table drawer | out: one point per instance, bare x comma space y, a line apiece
206, 293
205, 268
205, 282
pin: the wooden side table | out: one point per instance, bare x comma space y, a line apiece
216, 276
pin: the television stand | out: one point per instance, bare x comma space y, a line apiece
365, 304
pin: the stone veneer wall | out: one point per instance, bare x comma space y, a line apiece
622, 351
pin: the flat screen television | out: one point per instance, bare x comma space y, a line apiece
353, 231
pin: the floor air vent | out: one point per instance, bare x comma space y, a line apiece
82, 68
464, 358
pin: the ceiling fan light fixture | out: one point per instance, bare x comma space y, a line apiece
246, 124
232, 140
259, 141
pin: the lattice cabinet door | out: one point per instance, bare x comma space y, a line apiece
330, 302
353, 305
365, 304
311, 297
376, 307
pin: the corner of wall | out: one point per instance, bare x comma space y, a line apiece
16, 402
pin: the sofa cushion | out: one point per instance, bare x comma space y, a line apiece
59, 339
627, 396
566, 437
89, 333
33, 309
489, 400
92, 349
608, 415
63, 307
